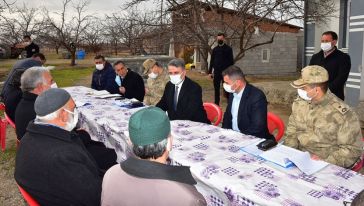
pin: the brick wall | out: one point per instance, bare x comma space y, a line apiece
282, 60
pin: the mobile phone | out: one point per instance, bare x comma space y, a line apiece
267, 144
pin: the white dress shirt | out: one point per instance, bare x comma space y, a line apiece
235, 109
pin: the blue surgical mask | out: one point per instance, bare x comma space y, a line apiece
118, 80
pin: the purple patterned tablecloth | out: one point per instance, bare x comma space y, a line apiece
225, 174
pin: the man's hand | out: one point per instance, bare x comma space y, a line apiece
211, 76
122, 90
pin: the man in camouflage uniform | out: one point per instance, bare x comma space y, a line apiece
157, 80
321, 123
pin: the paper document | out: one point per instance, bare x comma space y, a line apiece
253, 149
279, 155
105, 96
307, 165
98, 93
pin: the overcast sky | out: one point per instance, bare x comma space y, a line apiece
98, 7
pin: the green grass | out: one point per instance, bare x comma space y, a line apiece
69, 76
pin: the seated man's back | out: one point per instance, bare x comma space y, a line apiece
140, 182
52, 167
147, 179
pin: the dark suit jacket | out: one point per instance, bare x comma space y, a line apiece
338, 66
252, 113
134, 86
54, 167
12, 100
105, 79
24, 113
189, 106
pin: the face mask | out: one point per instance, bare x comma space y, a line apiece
175, 79
70, 125
326, 46
118, 80
152, 75
220, 42
54, 85
99, 66
27, 43
228, 88
303, 94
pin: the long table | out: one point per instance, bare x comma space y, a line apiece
225, 174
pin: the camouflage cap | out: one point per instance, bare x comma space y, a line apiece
311, 75
148, 64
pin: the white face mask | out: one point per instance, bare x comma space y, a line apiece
175, 79
326, 46
118, 80
70, 125
303, 94
228, 88
99, 66
54, 85
152, 75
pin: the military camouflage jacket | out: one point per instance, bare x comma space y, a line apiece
155, 88
329, 129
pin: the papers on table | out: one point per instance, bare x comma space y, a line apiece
102, 94
97, 93
287, 157
307, 165
279, 155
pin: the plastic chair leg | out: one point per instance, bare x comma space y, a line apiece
3, 124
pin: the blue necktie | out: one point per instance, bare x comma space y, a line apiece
175, 98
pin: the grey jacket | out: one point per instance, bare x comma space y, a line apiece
143, 182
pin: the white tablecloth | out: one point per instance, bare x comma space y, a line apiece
225, 174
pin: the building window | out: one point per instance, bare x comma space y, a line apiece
265, 55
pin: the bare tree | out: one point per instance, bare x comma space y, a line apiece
69, 29
93, 37
24, 21
128, 29
197, 22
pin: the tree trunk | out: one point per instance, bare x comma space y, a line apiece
73, 58
204, 57
57, 50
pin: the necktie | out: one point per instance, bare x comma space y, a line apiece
175, 98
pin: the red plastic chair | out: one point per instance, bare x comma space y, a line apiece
275, 123
29, 199
214, 113
3, 124
357, 167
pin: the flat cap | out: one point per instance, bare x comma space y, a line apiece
50, 101
148, 126
311, 75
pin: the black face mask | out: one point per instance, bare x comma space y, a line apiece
220, 42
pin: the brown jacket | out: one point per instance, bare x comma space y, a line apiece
143, 182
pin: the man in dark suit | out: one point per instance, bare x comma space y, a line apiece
103, 78
182, 97
247, 108
336, 62
221, 58
130, 83
21, 65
